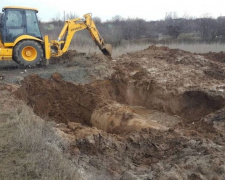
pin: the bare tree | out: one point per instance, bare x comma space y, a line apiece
174, 25
208, 28
70, 15
174, 31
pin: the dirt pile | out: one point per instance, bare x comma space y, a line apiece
218, 57
59, 100
66, 57
73, 58
159, 115
65, 102
97, 104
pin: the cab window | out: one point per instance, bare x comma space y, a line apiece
14, 18
14, 25
32, 24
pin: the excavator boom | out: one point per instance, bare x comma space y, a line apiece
105, 48
60, 46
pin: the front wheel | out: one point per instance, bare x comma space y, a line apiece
28, 53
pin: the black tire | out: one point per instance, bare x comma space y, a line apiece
28, 53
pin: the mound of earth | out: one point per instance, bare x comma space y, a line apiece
218, 57
158, 115
72, 57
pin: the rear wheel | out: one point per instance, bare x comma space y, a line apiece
28, 53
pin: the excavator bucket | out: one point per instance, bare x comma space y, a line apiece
107, 50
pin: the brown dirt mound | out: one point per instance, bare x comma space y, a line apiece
72, 57
66, 57
94, 104
162, 48
59, 100
65, 102
141, 154
215, 73
217, 57
158, 79
173, 81
140, 89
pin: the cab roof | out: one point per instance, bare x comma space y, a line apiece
17, 7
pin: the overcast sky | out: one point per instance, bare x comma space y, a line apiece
106, 9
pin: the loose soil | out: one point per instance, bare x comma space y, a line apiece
152, 114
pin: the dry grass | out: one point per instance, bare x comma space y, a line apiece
193, 48
82, 42
117, 51
30, 149
128, 48
198, 47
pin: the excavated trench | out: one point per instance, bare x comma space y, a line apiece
166, 92
116, 105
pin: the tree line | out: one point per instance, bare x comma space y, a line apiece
118, 29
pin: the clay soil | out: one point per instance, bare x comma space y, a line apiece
153, 114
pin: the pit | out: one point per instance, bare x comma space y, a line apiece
116, 105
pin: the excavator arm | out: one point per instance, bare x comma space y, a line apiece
58, 47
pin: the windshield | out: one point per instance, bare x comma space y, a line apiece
32, 24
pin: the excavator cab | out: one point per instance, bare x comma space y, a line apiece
16, 22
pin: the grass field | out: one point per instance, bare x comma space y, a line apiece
118, 51
198, 47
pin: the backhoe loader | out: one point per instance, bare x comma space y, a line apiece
22, 41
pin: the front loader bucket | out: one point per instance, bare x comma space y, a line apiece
107, 50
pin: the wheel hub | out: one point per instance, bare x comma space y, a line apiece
29, 53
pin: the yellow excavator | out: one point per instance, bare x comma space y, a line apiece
22, 41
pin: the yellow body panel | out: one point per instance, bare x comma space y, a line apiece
18, 7
47, 48
6, 49
6, 53
26, 37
